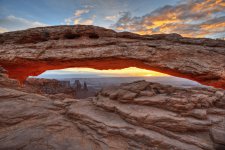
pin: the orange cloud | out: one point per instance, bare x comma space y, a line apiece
209, 4
88, 21
192, 18
217, 26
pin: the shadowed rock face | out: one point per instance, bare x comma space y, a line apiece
58, 47
138, 115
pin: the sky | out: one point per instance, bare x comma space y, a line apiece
128, 75
190, 18
94, 73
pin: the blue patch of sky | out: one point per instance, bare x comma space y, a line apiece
54, 12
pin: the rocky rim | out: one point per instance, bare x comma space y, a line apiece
138, 115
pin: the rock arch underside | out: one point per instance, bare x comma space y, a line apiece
138, 115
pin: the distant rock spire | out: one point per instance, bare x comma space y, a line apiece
85, 86
77, 85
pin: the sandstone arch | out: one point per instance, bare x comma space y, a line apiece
138, 115
32, 51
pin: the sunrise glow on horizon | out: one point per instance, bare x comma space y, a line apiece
126, 72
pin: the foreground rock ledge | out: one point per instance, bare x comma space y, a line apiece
40, 49
138, 115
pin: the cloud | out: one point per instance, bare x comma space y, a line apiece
111, 18
77, 21
2, 30
80, 12
77, 18
86, 9
68, 21
88, 21
195, 18
12, 23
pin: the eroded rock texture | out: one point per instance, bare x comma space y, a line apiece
41, 49
138, 115
50, 87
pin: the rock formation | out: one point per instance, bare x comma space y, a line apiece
5, 81
45, 48
56, 88
85, 88
77, 85
145, 115
49, 86
138, 115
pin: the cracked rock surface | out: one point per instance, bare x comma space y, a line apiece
138, 115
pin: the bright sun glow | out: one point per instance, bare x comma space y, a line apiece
126, 72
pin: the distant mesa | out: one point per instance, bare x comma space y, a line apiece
52, 87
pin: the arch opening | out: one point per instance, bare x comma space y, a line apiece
83, 82
21, 69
